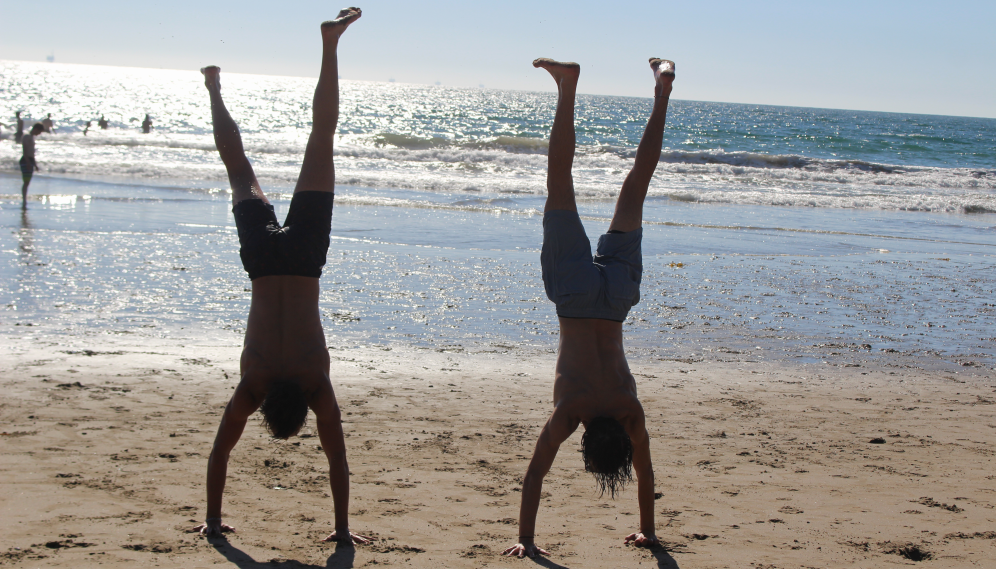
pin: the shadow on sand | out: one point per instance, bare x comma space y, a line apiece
341, 558
664, 561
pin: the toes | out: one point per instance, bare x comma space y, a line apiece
662, 66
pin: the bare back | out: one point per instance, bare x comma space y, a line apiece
284, 335
592, 374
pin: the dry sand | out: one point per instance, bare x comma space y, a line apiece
758, 466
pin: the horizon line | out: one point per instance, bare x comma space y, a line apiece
437, 84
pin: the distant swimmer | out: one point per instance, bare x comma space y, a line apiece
285, 362
147, 124
593, 385
47, 123
20, 127
86, 129
28, 163
102, 123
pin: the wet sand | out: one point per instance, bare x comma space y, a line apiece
758, 464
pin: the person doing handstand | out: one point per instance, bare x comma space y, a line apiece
285, 362
593, 385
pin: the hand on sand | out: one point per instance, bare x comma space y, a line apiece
524, 550
642, 540
353, 537
213, 528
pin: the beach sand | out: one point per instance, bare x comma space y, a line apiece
759, 465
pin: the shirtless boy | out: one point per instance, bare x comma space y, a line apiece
28, 163
593, 385
285, 362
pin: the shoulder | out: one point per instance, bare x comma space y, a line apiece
321, 399
248, 396
634, 419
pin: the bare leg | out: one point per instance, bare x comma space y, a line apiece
229, 143
560, 158
629, 206
318, 170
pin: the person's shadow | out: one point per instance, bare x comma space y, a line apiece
341, 558
664, 561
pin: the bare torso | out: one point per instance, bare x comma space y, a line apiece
284, 335
592, 375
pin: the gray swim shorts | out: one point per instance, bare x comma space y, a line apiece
605, 286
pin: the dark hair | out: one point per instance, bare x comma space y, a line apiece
284, 410
608, 454
38, 126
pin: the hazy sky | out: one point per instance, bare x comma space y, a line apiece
902, 56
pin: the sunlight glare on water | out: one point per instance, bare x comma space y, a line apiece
772, 232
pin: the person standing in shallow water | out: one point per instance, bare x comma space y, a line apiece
593, 385
47, 123
147, 124
285, 362
28, 163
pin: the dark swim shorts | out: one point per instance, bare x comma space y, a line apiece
27, 167
298, 248
605, 286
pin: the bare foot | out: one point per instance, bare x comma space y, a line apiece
561, 70
663, 74
334, 28
212, 77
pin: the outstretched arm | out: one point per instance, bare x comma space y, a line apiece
555, 432
329, 423
647, 536
233, 422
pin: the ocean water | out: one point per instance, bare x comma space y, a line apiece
772, 233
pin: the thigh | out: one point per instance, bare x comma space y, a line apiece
620, 257
259, 232
568, 267
306, 232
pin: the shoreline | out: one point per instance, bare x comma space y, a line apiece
756, 461
749, 289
